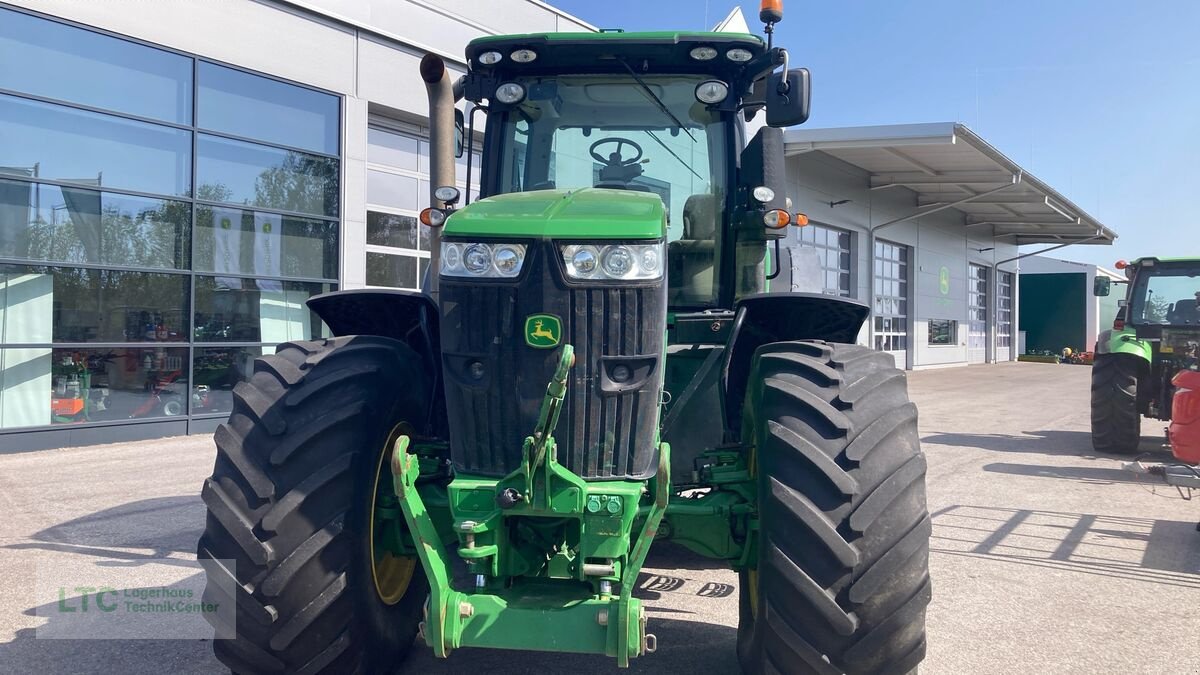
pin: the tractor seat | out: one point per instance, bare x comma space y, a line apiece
690, 259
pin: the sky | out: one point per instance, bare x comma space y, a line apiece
1098, 98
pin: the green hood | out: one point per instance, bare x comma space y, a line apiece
587, 213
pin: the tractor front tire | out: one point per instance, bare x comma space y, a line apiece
841, 580
1116, 423
290, 510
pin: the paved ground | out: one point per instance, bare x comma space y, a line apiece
1046, 558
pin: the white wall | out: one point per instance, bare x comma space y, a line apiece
938, 240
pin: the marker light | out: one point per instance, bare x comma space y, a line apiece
523, 56
712, 91
447, 193
801, 220
776, 219
433, 217
1121, 264
489, 58
510, 92
739, 55
763, 193
703, 53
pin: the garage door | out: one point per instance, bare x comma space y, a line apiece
891, 300
977, 313
1004, 316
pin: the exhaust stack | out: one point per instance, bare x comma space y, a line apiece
441, 150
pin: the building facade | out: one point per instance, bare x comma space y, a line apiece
923, 222
178, 177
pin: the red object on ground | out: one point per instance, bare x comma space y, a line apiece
1184, 432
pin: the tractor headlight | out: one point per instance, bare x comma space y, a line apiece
633, 262
482, 261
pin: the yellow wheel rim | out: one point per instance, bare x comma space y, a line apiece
391, 573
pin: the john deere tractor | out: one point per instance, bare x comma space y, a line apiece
1153, 341
595, 366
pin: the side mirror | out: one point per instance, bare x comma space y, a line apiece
787, 97
460, 132
1101, 287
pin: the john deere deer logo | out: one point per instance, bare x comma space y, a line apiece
543, 331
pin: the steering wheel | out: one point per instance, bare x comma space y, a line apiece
615, 159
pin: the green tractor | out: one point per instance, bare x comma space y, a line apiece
1153, 339
594, 367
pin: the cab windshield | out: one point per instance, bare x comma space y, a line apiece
620, 132
1167, 295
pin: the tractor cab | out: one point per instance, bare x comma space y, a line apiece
661, 114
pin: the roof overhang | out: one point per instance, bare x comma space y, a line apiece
949, 166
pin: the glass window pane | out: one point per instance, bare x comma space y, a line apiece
233, 309
216, 371
264, 244
385, 229
255, 175
397, 271
393, 149
257, 107
392, 191
69, 304
47, 222
42, 140
42, 386
50, 59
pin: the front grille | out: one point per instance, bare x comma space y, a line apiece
601, 434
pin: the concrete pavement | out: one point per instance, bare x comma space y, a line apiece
1046, 558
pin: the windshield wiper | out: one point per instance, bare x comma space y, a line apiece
656, 100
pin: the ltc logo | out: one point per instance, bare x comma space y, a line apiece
543, 331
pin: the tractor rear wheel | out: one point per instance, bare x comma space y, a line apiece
841, 580
292, 513
1116, 423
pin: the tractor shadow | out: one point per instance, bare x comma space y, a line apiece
125, 538
154, 528
1047, 442
50, 649
1164, 552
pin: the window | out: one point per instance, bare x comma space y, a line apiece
72, 385
568, 124
74, 225
270, 311
43, 140
231, 240
1004, 309
977, 309
397, 189
80, 305
132, 288
56, 61
256, 175
251, 106
943, 332
891, 296
832, 246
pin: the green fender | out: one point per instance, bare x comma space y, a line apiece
1123, 342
